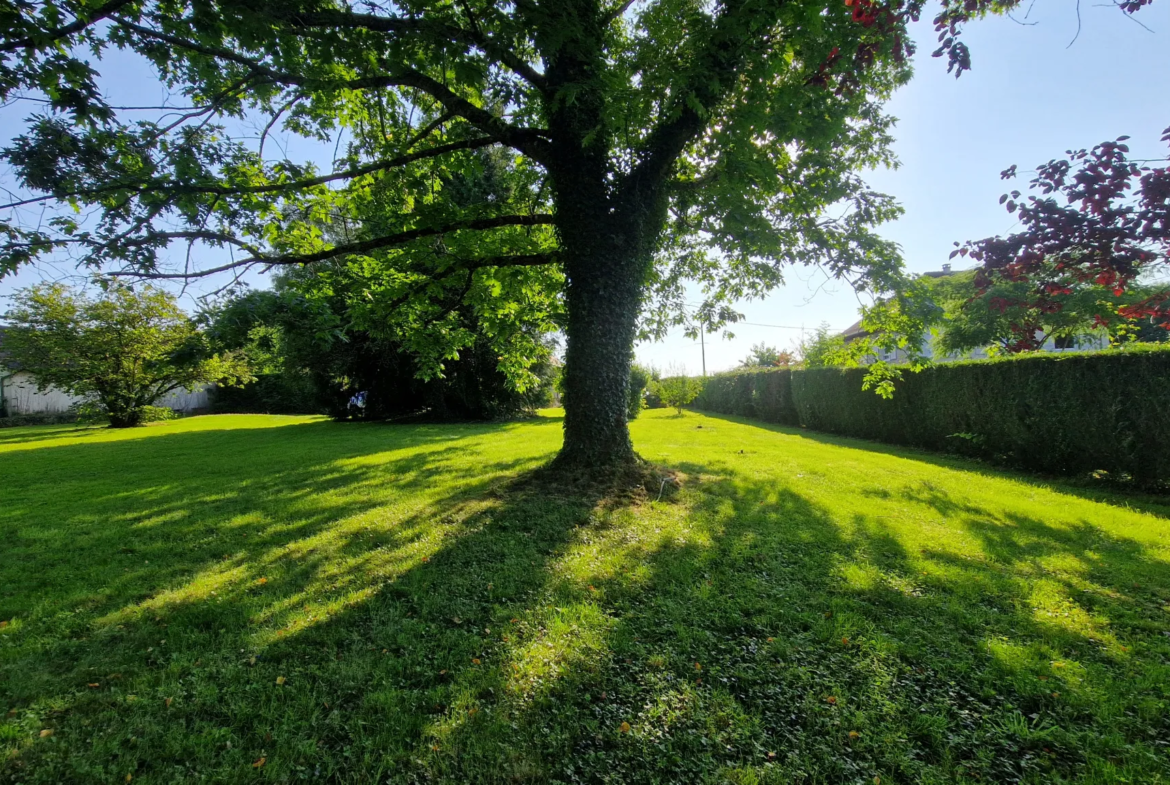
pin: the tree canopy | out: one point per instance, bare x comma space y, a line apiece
646, 145
764, 356
1073, 266
125, 349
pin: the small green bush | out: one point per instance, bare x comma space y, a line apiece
1056, 413
636, 402
678, 391
159, 414
22, 420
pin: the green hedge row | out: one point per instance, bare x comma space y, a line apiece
1056, 413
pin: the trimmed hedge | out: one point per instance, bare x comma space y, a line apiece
760, 393
1056, 413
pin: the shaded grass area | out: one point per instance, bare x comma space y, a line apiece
254, 598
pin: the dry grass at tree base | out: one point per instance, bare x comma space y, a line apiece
257, 598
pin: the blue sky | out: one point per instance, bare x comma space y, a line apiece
1029, 97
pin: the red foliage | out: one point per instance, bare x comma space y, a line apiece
1114, 224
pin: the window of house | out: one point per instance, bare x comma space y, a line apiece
1065, 342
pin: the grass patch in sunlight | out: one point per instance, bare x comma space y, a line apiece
240, 598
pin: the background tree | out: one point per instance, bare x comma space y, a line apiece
329, 352
678, 390
764, 356
657, 143
640, 379
1084, 263
125, 349
993, 315
822, 349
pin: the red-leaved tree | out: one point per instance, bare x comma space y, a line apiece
1111, 227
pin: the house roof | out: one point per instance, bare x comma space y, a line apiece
855, 330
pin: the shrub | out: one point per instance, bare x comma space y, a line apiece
22, 420
269, 393
1062, 414
636, 402
679, 391
159, 414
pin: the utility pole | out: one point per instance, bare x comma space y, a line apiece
703, 346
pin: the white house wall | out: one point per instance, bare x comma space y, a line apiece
21, 397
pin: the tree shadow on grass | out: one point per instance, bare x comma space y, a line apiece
500, 632
1096, 491
769, 640
26, 434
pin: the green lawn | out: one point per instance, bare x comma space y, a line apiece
251, 598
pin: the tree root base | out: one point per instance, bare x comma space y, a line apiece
622, 484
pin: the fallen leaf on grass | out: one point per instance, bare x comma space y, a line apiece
93, 685
169, 701
261, 581
280, 680
624, 727
474, 661
259, 763
854, 734
832, 699
46, 733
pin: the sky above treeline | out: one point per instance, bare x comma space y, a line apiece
1038, 87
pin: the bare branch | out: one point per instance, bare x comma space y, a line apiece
66, 30
365, 246
526, 140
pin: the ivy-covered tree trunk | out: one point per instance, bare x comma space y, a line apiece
602, 299
606, 261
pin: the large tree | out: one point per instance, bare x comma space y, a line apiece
124, 350
660, 142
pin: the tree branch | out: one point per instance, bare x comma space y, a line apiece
295, 185
713, 73
526, 140
66, 30
365, 246
335, 18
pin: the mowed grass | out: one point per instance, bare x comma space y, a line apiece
274, 599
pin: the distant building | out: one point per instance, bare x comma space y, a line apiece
1081, 343
19, 395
